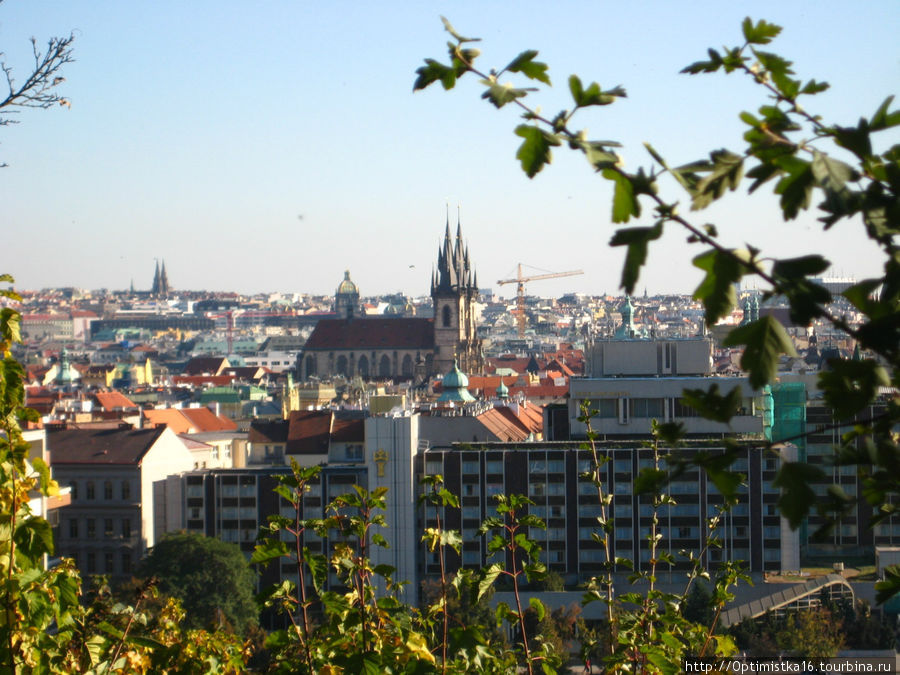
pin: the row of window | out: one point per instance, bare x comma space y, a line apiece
90, 490
109, 529
107, 559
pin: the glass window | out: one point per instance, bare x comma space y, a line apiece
91, 562
126, 561
107, 490
107, 527
470, 467
126, 527
89, 490
494, 466
126, 489
91, 528
108, 564
73, 528
556, 466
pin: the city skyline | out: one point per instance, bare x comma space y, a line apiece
271, 149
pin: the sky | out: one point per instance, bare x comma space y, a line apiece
269, 146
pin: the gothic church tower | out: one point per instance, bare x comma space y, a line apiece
454, 290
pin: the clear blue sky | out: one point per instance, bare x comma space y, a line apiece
201, 132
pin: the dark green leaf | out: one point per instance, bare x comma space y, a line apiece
796, 187
716, 291
432, 72
650, 481
501, 94
593, 95
625, 203
712, 405
524, 63
797, 497
534, 152
760, 33
637, 240
883, 119
849, 386
765, 341
538, 607
714, 63
889, 586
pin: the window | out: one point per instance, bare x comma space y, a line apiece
556, 466
446, 316
89, 490
107, 527
91, 528
107, 490
126, 527
470, 467
126, 562
606, 408
494, 466
73, 528
108, 564
91, 562
126, 489
74, 489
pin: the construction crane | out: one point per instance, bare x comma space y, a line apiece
520, 280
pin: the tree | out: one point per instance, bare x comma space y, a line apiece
794, 150
210, 577
38, 89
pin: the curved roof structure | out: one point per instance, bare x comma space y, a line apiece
794, 597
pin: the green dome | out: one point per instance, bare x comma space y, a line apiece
502, 390
455, 385
455, 379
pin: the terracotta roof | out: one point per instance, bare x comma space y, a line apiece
205, 419
110, 400
100, 446
372, 333
189, 420
503, 427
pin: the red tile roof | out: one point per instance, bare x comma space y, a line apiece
110, 400
372, 333
189, 420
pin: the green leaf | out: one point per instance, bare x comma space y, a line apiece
889, 586
882, 119
501, 94
524, 63
726, 169
637, 240
713, 406
459, 38
796, 187
650, 481
716, 291
268, 550
850, 386
760, 33
765, 341
625, 203
797, 497
807, 298
593, 95
832, 174
434, 71
538, 607
715, 62
534, 152
488, 577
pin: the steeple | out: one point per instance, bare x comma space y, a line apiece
155, 288
163, 281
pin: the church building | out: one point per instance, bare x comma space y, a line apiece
402, 347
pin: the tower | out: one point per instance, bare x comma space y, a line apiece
346, 298
454, 290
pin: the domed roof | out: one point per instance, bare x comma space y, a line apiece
455, 385
502, 390
455, 379
347, 286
